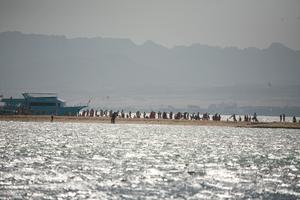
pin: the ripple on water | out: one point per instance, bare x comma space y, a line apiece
104, 161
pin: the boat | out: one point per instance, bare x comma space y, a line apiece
38, 104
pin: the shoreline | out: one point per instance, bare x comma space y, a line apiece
47, 118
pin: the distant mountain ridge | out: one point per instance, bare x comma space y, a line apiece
100, 67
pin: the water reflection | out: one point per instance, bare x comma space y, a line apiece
104, 161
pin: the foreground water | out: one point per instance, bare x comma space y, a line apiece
104, 161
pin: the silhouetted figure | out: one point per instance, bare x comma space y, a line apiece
177, 115
254, 118
92, 113
52, 118
216, 117
165, 115
283, 117
159, 114
233, 116
138, 114
280, 117
205, 116
184, 115
197, 116
192, 116
294, 119
113, 117
152, 115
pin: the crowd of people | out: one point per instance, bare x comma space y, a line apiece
170, 115
247, 118
151, 115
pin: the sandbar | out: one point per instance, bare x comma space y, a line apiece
81, 119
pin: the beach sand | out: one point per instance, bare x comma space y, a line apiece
47, 118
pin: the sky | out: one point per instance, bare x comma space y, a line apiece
240, 23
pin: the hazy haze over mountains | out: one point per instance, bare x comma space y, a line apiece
118, 72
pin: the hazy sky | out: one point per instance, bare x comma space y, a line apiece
238, 23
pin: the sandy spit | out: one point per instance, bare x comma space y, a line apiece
46, 118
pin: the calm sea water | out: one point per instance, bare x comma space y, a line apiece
104, 161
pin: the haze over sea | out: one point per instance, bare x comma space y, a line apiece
122, 161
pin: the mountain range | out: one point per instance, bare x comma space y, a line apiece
117, 72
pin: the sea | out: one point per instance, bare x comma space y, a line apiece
44, 160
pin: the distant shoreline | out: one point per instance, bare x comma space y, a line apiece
47, 118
